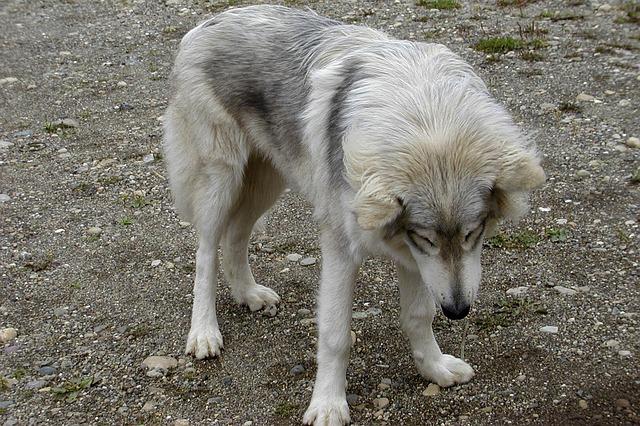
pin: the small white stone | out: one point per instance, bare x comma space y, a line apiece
184, 224
583, 173
155, 263
565, 291
583, 404
122, 84
633, 142
160, 362
612, 344
149, 406
353, 338
552, 329
624, 354
308, 261
247, 423
544, 209
294, 257
609, 92
149, 158
381, 403
561, 221
624, 102
8, 334
4, 198
8, 80
5, 145
94, 230
518, 291
584, 97
432, 390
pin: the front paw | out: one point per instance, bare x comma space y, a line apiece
445, 370
327, 412
204, 343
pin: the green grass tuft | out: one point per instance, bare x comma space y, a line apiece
498, 44
439, 4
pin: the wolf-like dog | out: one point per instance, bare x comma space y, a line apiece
398, 145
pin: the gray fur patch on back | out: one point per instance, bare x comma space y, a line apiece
255, 65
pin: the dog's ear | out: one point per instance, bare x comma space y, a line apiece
374, 208
520, 173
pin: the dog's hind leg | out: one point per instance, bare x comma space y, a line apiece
261, 187
416, 317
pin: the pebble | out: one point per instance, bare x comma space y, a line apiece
624, 102
612, 343
155, 263
181, 422
60, 312
4, 198
8, 334
565, 291
296, 370
66, 123
353, 338
633, 142
307, 321
621, 148
518, 291
8, 80
121, 84
147, 159
5, 145
521, 378
584, 97
94, 230
46, 370
5, 404
149, 406
294, 257
303, 312
214, 400
552, 329
353, 399
431, 390
383, 386
624, 354
623, 403
308, 261
36, 384
247, 423
270, 311
184, 224
160, 362
583, 404
582, 173
547, 107
381, 403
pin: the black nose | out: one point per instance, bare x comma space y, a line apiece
455, 312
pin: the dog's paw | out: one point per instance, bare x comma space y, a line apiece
333, 412
446, 370
204, 343
257, 297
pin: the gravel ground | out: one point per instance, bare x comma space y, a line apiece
96, 269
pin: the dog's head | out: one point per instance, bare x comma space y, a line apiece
433, 196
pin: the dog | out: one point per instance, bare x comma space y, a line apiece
398, 145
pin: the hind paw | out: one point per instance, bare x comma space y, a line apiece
257, 297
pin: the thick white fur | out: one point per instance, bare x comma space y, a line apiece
426, 113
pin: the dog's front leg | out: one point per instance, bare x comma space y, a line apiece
417, 312
339, 268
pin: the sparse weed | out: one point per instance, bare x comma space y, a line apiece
507, 312
439, 4
557, 234
498, 44
70, 389
520, 240
286, 409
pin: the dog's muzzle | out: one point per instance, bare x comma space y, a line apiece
455, 312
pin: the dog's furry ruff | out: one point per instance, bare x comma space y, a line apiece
398, 146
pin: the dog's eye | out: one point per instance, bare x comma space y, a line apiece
421, 242
474, 234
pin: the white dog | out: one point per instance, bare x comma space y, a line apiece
398, 146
